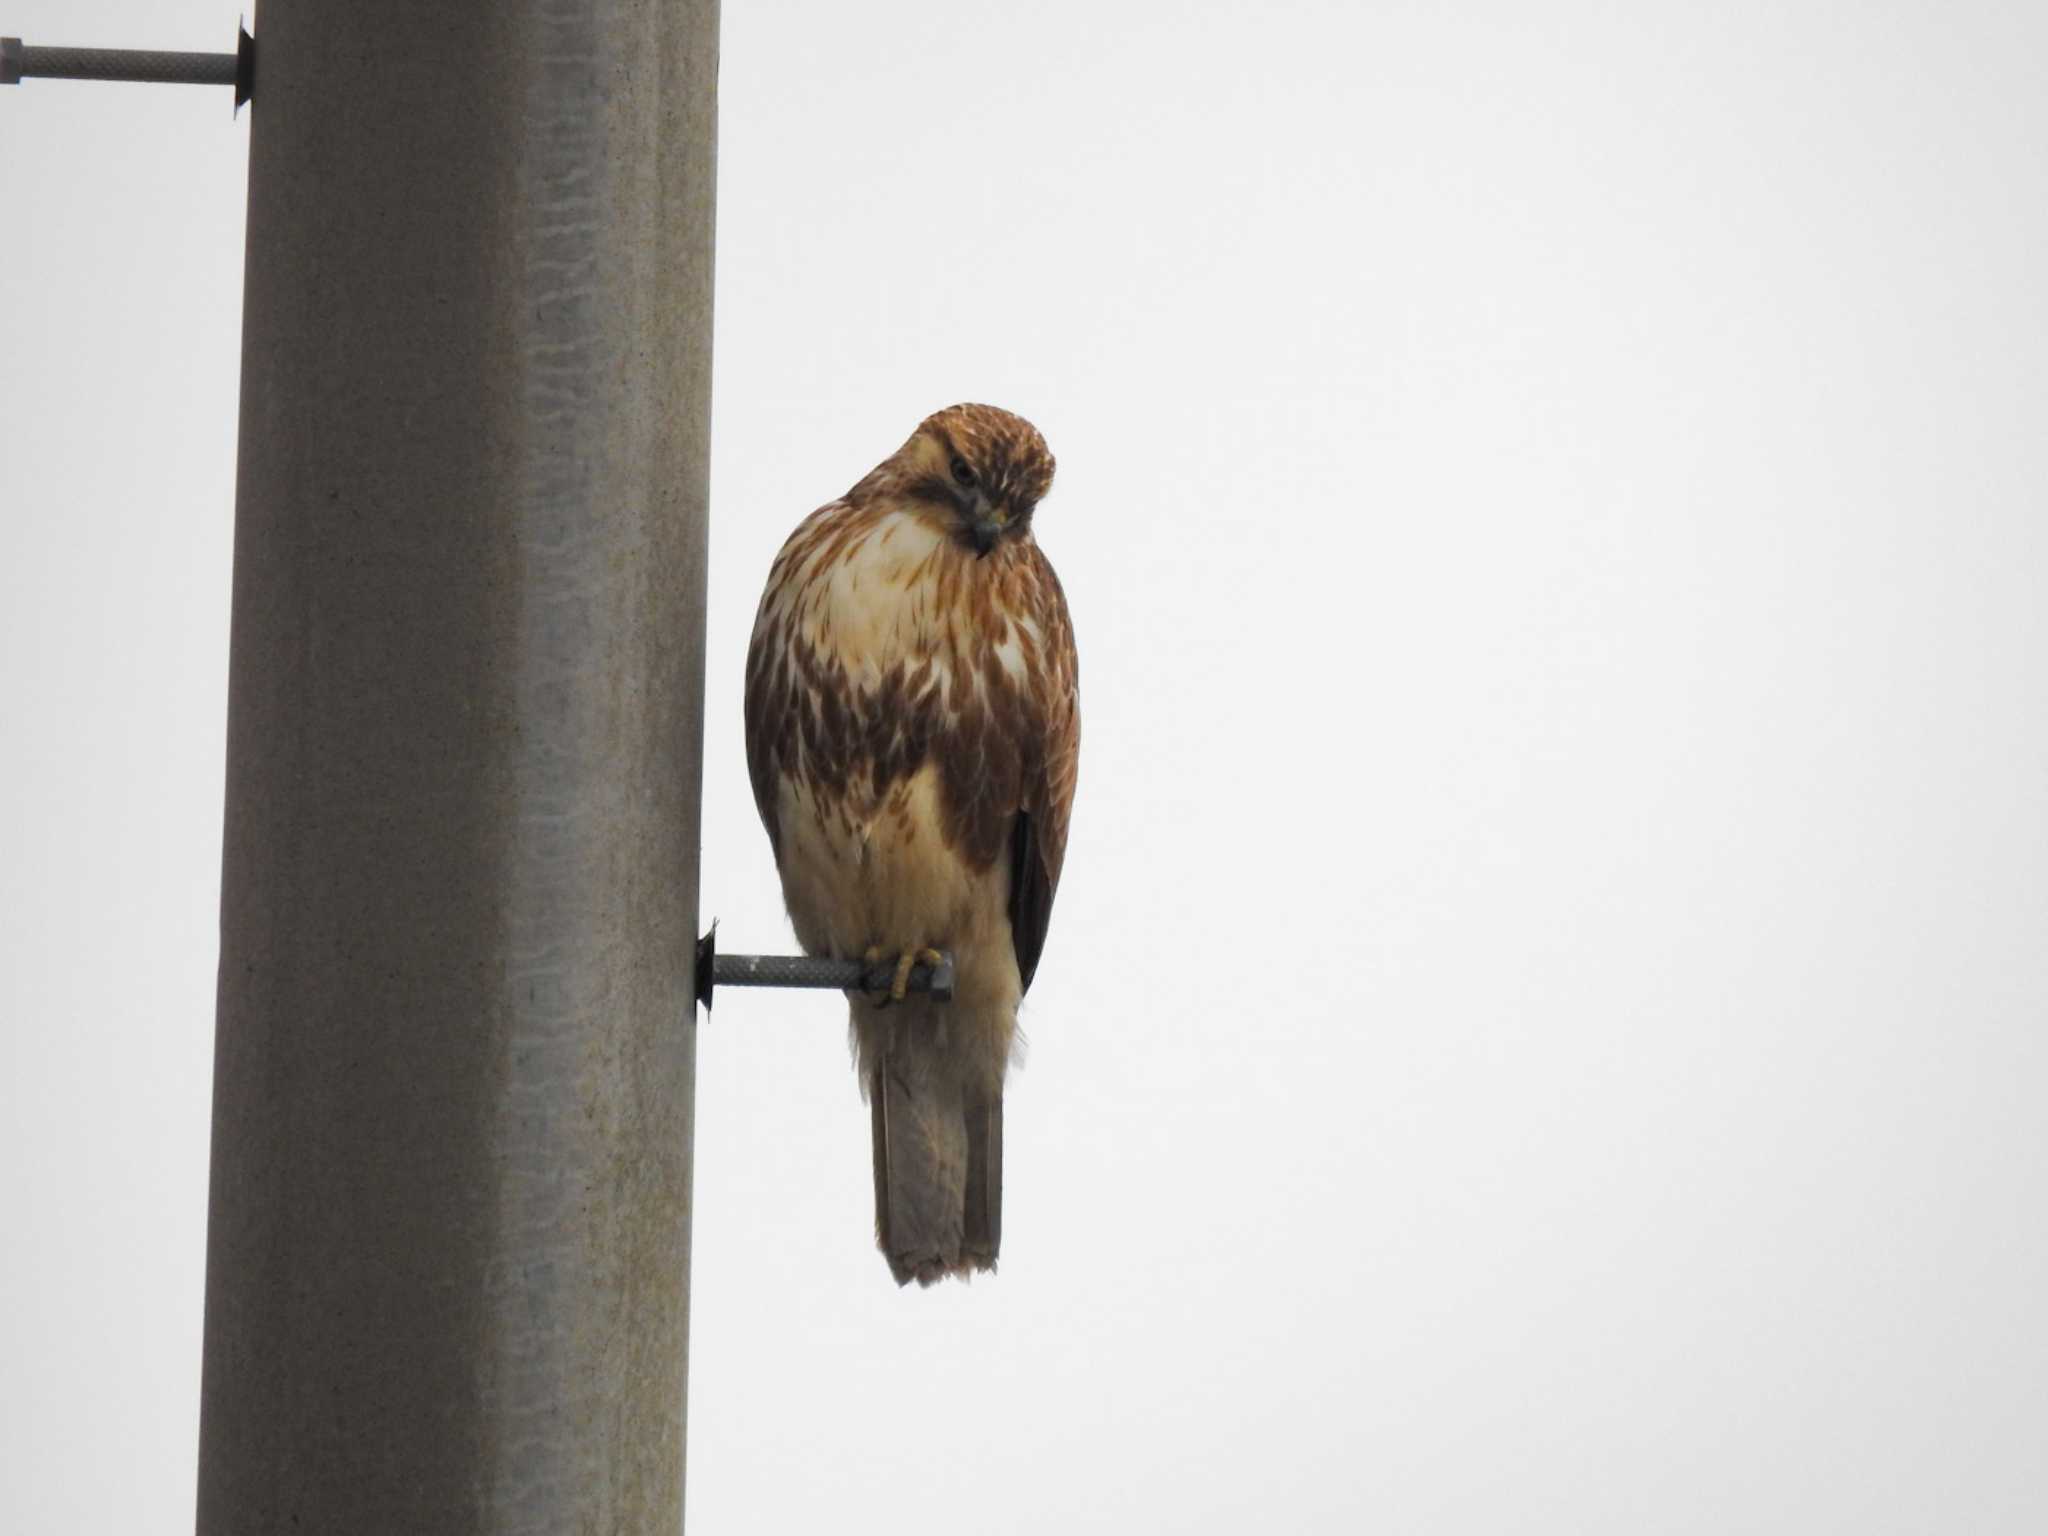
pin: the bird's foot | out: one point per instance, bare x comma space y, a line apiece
906, 962
898, 986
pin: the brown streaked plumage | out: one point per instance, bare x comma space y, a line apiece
913, 729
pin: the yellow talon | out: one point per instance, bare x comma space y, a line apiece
906, 962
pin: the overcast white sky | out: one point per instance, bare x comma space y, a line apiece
1543, 1026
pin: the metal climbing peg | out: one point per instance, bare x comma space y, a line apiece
715, 970
19, 62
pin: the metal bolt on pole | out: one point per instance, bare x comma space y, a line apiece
19, 62
811, 972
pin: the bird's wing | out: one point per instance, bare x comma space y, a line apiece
775, 690
1038, 835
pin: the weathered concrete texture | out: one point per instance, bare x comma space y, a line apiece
448, 1257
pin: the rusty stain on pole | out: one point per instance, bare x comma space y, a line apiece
448, 1245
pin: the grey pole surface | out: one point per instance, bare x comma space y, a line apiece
448, 1247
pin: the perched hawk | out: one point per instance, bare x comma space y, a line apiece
913, 726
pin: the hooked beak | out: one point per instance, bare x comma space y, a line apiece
985, 530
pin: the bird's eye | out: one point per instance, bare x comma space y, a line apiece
961, 472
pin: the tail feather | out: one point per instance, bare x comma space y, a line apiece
938, 1170
981, 1237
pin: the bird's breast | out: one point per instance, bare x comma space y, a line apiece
878, 603
885, 652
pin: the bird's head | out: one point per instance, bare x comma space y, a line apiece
981, 470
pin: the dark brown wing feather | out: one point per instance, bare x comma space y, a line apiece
780, 671
1038, 833
1031, 894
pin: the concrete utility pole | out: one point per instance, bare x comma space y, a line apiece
448, 1254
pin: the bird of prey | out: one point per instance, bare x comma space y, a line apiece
913, 729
